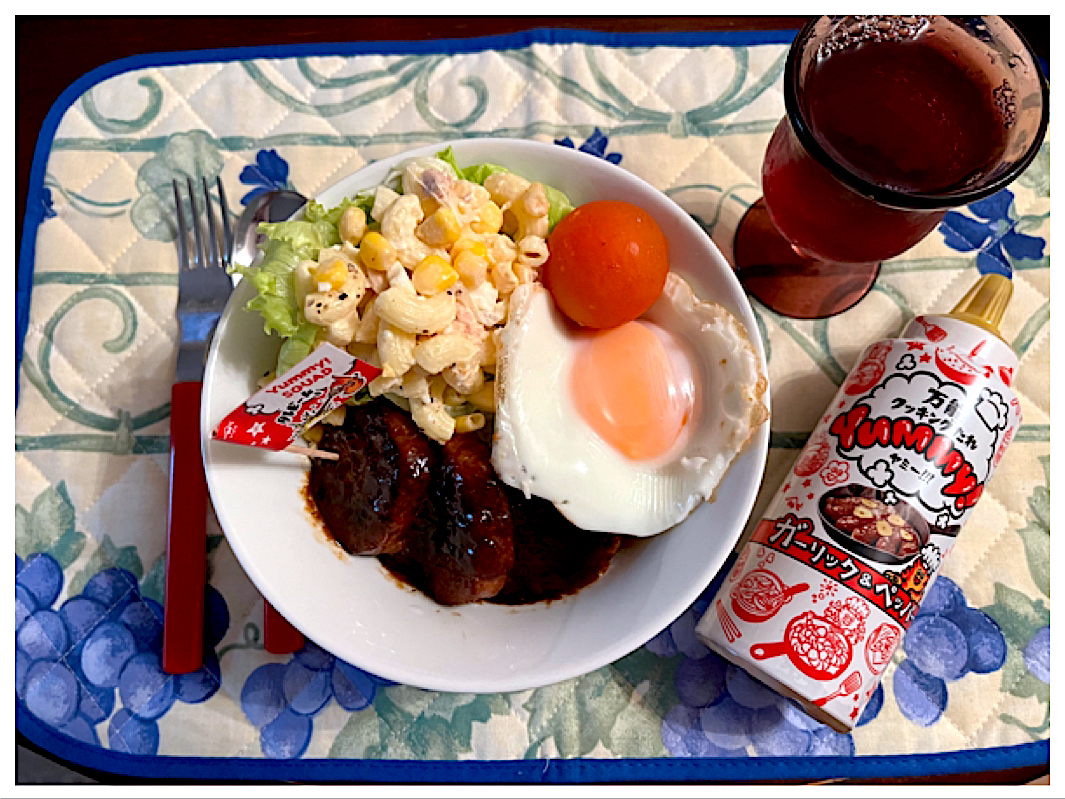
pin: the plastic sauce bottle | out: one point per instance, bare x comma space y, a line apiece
834, 573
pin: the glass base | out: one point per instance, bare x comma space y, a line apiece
791, 284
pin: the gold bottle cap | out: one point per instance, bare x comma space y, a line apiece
985, 303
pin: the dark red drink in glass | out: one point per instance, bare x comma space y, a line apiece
891, 121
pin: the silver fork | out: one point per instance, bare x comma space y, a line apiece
204, 284
204, 287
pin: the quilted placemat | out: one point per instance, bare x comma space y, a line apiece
96, 341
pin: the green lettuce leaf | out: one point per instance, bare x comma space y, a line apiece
307, 236
447, 155
364, 200
478, 173
317, 213
560, 206
273, 280
297, 346
286, 244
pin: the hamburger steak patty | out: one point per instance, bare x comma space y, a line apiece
464, 539
370, 498
552, 556
438, 517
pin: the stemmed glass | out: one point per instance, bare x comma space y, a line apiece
891, 121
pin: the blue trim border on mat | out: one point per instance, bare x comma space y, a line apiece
556, 771
163, 767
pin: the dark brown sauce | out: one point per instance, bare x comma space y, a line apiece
552, 557
874, 523
468, 537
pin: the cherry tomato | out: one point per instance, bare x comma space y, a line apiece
608, 263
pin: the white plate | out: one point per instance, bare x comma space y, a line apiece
351, 607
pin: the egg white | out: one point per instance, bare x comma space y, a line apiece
542, 445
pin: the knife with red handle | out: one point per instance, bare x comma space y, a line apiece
280, 637
186, 551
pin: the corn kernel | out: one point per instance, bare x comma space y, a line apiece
433, 275
429, 205
377, 252
442, 229
333, 272
489, 219
473, 269
470, 243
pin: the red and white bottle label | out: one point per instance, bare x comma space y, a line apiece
835, 571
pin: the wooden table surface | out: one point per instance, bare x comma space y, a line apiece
52, 52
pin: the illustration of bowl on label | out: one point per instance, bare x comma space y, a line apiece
760, 594
862, 521
815, 646
957, 367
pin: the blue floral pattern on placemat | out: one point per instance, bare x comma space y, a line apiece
992, 231
595, 144
98, 656
269, 172
282, 699
946, 641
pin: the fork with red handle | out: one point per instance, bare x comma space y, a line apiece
204, 286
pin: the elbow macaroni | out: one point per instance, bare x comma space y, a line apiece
408, 310
420, 287
436, 353
433, 418
532, 251
396, 349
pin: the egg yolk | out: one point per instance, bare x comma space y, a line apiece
632, 390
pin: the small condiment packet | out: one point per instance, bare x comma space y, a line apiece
275, 416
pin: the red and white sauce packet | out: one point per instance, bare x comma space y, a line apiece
834, 573
275, 416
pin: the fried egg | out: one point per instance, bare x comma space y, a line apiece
626, 430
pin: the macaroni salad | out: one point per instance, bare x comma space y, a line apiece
414, 277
